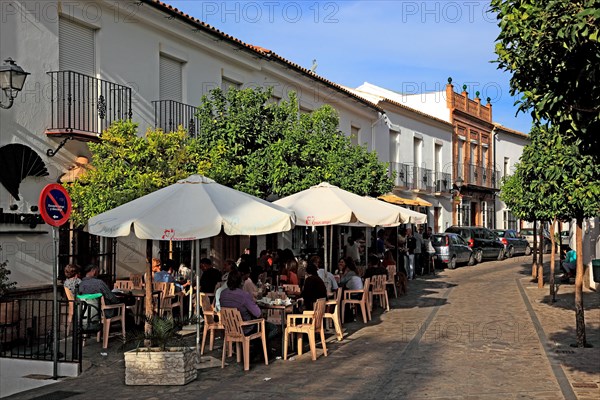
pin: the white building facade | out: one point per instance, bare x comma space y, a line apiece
419, 152
95, 62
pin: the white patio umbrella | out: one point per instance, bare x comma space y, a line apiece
193, 208
326, 204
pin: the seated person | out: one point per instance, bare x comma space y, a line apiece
72, 277
210, 276
314, 287
91, 284
247, 284
234, 297
570, 262
222, 288
374, 268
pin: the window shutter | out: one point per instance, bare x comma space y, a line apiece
76, 50
170, 79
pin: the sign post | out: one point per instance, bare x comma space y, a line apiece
55, 207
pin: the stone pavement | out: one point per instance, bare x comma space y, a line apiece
482, 332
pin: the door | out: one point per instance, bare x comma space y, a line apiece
474, 214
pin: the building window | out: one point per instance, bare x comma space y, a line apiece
227, 83
506, 167
76, 47
510, 222
417, 151
354, 135
170, 79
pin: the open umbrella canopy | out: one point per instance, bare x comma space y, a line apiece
326, 204
193, 208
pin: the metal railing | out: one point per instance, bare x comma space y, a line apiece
408, 176
84, 104
170, 114
478, 176
26, 331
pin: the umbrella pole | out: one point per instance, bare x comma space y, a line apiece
331, 250
197, 310
326, 260
367, 242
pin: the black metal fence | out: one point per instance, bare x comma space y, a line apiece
82, 103
169, 114
26, 330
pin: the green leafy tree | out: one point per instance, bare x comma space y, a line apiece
552, 49
127, 166
284, 152
557, 181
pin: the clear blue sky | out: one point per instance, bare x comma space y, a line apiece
405, 46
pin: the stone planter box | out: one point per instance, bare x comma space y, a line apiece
150, 366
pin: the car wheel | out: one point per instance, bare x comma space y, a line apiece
527, 250
478, 255
452, 263
511, 252
471, 260
501, 255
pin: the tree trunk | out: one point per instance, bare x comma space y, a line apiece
552, 255
540, 274
148, 309
534, 262
579, 314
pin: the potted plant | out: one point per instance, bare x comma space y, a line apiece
167, 361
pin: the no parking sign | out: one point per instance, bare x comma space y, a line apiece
55, 204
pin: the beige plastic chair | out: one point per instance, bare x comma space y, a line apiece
123, 284
391, 278
334, 315
363, 302
137, 280
379, 290
70, 306
170, 299
310, 323
210, 324
107, 322
234, 333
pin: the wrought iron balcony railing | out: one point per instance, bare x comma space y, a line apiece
408, 176
478, 175
82, 104
170, 114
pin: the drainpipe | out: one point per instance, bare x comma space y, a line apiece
494, 134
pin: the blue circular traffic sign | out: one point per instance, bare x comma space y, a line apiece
55, 204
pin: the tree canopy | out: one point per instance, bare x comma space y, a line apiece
127, 166
245, 141
272, 149
552, 49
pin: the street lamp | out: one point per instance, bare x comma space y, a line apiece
12, 79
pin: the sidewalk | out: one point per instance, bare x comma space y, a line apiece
483, 332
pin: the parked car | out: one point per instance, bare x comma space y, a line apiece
484, 242
451, 249
513, 242
527, 233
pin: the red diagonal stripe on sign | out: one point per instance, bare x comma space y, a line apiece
60, 208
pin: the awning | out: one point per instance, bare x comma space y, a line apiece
392, 198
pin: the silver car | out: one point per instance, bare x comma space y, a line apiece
451, 249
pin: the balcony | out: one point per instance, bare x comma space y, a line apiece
477, 175
410, 177
85, 106
170, 114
